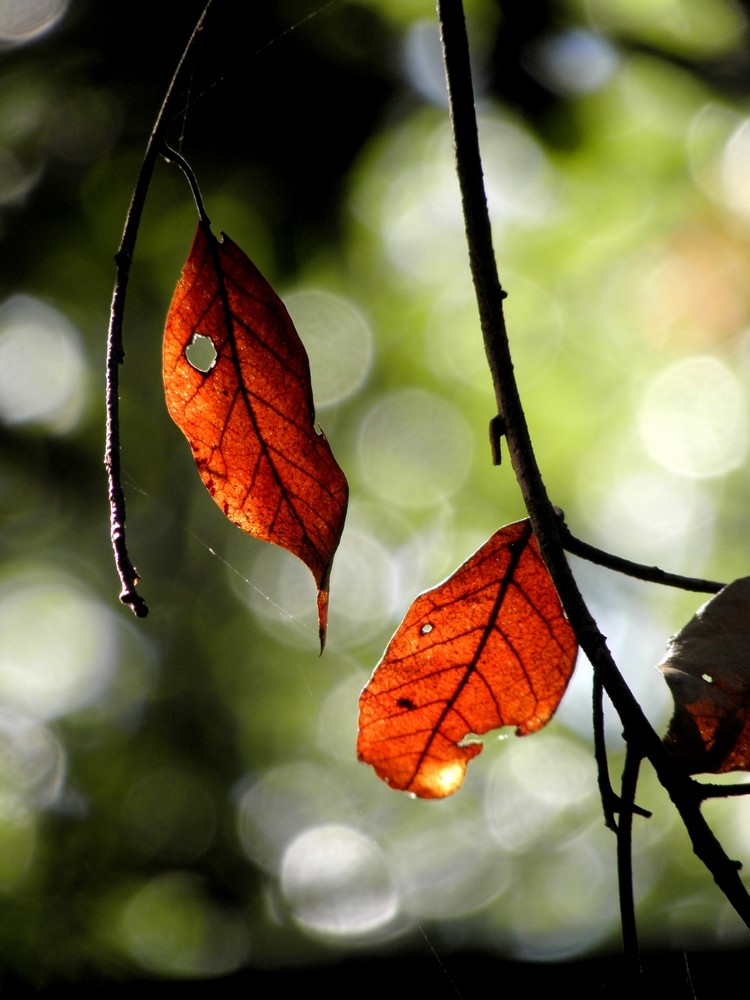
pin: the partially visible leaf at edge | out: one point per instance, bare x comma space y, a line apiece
250, 418
707, 667
488, 647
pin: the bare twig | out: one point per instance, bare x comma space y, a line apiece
610, 799
706, 791
625, 864
606, 792
544, 519
115, 349
651, 574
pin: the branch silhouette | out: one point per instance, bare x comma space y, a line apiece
650, 574
642, 740
115, 344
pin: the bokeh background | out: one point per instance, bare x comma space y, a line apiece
179, 796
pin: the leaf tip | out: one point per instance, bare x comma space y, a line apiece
322, 617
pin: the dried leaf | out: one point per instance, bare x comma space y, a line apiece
707, 668
488, 647
249, 417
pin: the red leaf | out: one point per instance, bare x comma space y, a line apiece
250, 417
488, 647
708, 672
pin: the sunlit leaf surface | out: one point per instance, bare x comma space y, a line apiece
247, 410
489, 647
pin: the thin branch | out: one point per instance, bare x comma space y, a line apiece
625, 862
610, 800
543, 517
721, 791
115, 348
172, 156
606, 792
651, 574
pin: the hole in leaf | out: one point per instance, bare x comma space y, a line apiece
471, 739
426, 629
201, 353
707, 678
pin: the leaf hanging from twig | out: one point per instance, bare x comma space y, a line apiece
248, 413
488, 647
707, 667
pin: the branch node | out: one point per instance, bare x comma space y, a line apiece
497, 431
132, 599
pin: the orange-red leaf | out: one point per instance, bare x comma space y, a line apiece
250, 418
489, 647
708, 671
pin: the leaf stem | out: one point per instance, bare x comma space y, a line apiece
172, 156
544, 518
115, 347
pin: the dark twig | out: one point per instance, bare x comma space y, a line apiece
172, 156
544, 519
115, 349
721, 791
610, 800
606, 792
651, 574
625, 864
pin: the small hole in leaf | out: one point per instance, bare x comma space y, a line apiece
201, 353
426, 628
707, 678
471, 739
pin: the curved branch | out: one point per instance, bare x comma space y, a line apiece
172, 156
651, 574
115, 349
543, 516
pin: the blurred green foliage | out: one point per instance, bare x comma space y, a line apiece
179, 796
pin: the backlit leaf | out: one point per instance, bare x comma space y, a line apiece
247, 410
488, 647
707, 667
